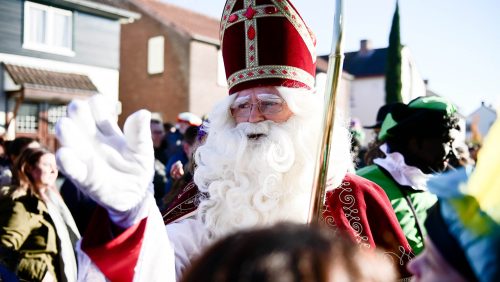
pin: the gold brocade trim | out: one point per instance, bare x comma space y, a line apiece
401, 258
225, 17
271, 71
286, 9
251, 54
352, 213
251, 44
260, 12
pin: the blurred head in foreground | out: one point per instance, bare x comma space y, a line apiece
288, 252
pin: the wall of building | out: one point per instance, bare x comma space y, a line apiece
367, 95
164, 93
96, 39
204, 90
343, 98
484, 118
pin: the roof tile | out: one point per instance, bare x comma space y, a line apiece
38, 77
191, 22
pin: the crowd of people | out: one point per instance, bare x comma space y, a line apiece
226, 198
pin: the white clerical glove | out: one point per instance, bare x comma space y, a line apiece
115, 169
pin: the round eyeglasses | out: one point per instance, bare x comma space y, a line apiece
267, 106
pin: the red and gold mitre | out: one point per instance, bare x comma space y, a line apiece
266, 43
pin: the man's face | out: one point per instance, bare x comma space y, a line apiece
259, 104
430, 266
432, 153
157, 134
182, 126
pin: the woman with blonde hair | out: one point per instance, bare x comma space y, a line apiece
37, 231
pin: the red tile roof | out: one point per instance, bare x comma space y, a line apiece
27, 76
192, 23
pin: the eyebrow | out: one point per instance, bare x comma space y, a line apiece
265, 96
241, 100
262, 97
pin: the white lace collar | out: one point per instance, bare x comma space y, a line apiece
402, 173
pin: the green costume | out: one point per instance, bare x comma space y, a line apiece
400, 196
429, 118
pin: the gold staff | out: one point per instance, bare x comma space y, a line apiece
335, 62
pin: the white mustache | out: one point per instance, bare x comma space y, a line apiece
260, 128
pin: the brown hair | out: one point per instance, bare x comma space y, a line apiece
285, 252
25, 163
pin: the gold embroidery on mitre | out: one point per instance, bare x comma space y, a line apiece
251, 46
225, 18
249, 15
251, 42
260, 13
271, 71
294, 18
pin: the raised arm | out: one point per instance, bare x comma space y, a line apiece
116, 169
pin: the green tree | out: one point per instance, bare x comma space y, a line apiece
393, 82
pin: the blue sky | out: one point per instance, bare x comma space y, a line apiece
455, 43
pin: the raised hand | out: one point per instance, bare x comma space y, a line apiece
115, 169
177, 171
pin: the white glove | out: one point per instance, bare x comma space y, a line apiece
115, 169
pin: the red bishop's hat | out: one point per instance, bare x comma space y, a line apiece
266, 43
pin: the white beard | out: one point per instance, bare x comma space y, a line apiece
260, 182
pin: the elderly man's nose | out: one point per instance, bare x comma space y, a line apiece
255, 114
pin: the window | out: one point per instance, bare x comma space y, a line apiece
48, 29
156, 51
54, 113
27, 118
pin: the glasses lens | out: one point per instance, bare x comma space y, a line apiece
271, 106
241, 110
268, 106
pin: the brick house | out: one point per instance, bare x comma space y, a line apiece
170, 61
51, 52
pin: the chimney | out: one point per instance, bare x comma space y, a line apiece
365, 46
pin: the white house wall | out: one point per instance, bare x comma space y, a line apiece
342, 103
368, 93
204, 91
485, 119
367, 96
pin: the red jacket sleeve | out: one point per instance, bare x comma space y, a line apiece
116, 257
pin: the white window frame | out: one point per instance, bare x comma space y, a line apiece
27, 118
49, 46
156, 55
54, 113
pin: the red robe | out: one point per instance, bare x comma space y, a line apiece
361, 209
358, 206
